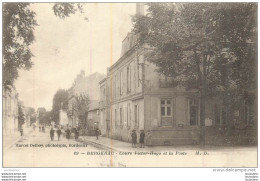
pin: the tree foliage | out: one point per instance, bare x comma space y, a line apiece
21, 116
19, 22
63, 10
45, 117
204, 46
80, 108
193, 41
82, 104
60, 101
18, 26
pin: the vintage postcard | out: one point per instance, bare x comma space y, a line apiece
129, 84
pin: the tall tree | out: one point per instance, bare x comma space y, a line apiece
21, 116
18, 26
41, 114
200, 45
60, 101
80, 108
19, 22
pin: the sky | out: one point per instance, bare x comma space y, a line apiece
65, 47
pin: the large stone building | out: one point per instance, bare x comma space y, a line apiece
10, 111
134, 96
139, 98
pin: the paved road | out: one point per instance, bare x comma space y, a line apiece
37, 150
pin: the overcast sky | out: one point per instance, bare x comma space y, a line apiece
64, 47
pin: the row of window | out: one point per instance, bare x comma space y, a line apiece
124, 79
123, 116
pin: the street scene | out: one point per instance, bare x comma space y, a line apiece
36, 149
130, 85
28, 152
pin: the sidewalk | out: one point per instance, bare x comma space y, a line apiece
10, 139
116, 145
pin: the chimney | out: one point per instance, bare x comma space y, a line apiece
140, 9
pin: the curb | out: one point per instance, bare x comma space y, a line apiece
98, 145
18, 139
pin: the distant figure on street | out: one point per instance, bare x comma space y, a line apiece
134, 138
58, 133
43, 129
39, 128
34, 126
76, 133
149, 138
52, 134
21, 131
68, 133
97, 133
141, 140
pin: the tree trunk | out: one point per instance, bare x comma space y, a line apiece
203, 96
202, 114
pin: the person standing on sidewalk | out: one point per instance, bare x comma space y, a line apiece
97, 133
141, 140
134, 138
52, 134
68, 133
149, 138
58, 133
77, 133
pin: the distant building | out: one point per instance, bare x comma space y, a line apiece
93, 120
104, 107
83, 85
10, 111
87, 85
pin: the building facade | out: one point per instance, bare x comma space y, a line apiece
104, 107
83, 86
93, 119
134, 96
10, 111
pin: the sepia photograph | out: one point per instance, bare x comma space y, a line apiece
145, 84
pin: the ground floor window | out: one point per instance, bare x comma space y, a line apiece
166, 107
166, 112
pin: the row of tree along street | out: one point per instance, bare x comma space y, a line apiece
211, 47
